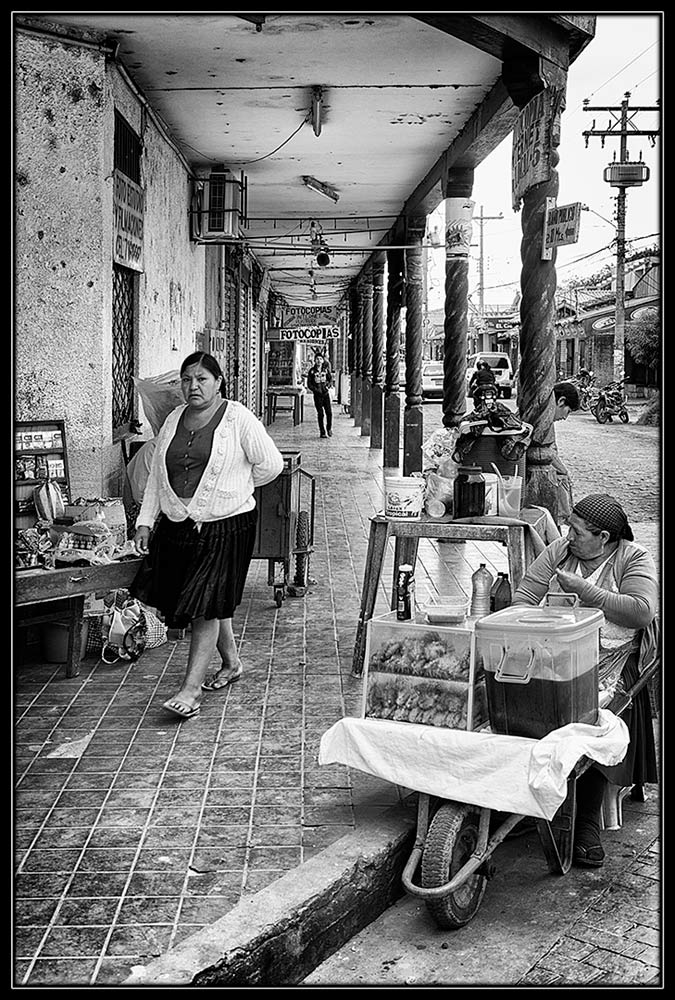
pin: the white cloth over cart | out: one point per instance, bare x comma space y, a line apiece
511, 774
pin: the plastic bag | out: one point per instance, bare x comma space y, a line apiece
128, 630
438, 488
160, 394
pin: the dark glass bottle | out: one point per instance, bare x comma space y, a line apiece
405, 587
500, 593
469, 492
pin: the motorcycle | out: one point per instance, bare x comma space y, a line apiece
585, 382
611, 402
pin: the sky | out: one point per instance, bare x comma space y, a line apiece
625, 55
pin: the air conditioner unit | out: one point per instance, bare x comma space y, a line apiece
218, 206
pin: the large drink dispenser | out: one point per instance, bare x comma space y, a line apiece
541, 667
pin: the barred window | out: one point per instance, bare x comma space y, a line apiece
127, 149
122, 347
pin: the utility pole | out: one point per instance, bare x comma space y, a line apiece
622, 175
481, 280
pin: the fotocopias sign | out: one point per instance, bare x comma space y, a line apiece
307, 324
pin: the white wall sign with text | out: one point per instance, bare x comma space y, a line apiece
128, 215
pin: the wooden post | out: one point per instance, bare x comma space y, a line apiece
378, 352
353, 310
358, 347
392, 395
537, 372
413, 427
367, 351
459, 208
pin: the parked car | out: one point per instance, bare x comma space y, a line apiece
501, 366
432, 380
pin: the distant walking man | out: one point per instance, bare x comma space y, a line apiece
319, 381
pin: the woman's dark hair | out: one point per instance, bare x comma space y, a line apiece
206, 361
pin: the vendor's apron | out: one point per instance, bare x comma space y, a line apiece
611, 635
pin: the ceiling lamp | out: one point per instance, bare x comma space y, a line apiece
322, 258
325, 189
317, 102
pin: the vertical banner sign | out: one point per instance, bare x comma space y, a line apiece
458, 226
128, 211
530, 161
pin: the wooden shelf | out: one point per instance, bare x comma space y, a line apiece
28, 452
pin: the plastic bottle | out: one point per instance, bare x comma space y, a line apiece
500, 593
481, 582
469, 492
405, 587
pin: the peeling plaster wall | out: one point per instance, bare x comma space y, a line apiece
65, 97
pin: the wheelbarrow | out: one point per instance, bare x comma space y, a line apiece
450, 863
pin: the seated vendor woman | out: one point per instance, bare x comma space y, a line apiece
600, 562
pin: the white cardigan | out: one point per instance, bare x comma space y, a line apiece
243, 456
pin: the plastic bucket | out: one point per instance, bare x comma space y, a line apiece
403, 497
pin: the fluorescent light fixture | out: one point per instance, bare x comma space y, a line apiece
317, 100
325, 189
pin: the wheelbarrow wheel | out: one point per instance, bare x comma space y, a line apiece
450, 841
302, 542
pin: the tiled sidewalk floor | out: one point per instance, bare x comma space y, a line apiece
132, 830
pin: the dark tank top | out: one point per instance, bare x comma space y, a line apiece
188, 454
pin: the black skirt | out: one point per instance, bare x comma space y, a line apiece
196, 574
639, 766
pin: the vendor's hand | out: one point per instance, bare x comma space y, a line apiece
141, 540
571, 583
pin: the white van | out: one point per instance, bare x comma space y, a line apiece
500, 364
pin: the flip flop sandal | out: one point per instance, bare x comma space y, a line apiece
209, 683
178, 708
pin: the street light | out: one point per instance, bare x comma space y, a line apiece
587, 208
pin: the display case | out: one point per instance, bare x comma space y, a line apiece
283, 364
423, 673
40, 453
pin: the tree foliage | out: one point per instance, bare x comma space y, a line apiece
643, 340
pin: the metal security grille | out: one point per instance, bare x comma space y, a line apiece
247, 360
127, 149
122, 346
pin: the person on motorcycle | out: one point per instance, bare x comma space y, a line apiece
481, 378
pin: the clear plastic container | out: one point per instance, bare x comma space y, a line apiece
423, 673
541, 667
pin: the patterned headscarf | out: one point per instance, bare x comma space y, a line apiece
605, 513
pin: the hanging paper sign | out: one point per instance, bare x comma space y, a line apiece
530, 159
458, 227
561, 226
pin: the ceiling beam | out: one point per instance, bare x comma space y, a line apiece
558, 39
